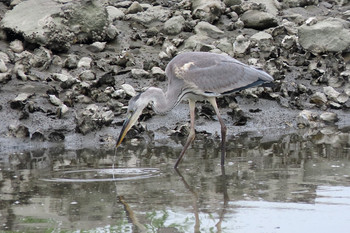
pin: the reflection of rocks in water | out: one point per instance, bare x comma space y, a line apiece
288, 169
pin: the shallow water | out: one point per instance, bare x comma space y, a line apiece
293, 183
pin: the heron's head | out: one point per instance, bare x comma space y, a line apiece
136, 105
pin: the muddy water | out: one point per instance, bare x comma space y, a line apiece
293, 183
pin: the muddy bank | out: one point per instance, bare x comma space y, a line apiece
68, 75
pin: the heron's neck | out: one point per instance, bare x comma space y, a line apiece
162, 102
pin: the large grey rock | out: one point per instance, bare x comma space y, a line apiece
330, 35
152, 14
208, 29
207, 10
258, 19
174, 25
57, 25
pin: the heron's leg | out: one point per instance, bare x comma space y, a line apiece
223, 129
191, 135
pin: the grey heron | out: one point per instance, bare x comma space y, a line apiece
195, 76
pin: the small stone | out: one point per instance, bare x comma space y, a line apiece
139, 73
19, 131
17, 46
85, 62
37, 136
20, 100
241, 45
5, 77
97, 47
318, 98
134, 8
114, 13
129, 90
3, 67
71, 61
54, 100
208, 29
158, 73
329, 117
62, 110
289, 41
306, 118
174, 25
258, 20
87, 75
331, 93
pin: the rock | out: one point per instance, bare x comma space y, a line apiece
5, 77
129, 90
139, 73
134, 8
54, 100
329, 117
97, 47
306, 118
56, 137
85, 62
20, 70
87, 75
57, 24
66, 80
62, 110
38, 137
114, 13
331, 93
329, 35
289, 41
208, 29
71, 61
93, 118
207, 10
174, 25
230, 3
261, 36
20, 100
241, 45
258, 20
16, 46
3, 67
158, 73
318, 98
152, 14
19, 131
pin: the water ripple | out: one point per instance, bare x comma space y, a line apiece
103, 175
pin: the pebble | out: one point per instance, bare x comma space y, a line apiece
329, 117
129, 90
54, 100
3, 67
17, 46
97, 47
85, 62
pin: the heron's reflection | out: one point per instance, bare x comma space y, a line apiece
223, 179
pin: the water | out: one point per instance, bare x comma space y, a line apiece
293, 183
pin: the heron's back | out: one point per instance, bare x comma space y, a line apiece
213, 74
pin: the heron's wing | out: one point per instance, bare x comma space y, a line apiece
217, 74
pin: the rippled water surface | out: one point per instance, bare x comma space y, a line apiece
293, 183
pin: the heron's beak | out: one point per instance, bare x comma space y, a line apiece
128, 123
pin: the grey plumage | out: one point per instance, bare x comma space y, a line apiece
196, 76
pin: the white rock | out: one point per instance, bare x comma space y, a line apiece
3, 67
208, 29
129, 90
329, 117
16, 46
114, 13
85, 62
331, 93
55, 101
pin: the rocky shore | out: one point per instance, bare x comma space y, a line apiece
68, 68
